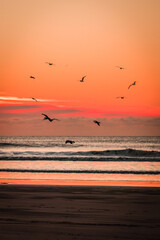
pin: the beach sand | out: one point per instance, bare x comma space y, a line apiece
79, 212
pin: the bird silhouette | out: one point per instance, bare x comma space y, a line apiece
69, 141
49, 63
97, 122
48, 118
32, 77
134, 83
121, 97
121, 68
34, 99
82, 80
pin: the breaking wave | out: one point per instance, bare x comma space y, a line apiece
107, 155
5, 144
123, 152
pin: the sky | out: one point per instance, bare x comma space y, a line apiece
81, 38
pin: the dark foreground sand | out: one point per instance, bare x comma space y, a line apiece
79, 212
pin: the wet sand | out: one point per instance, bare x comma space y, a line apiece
79, 212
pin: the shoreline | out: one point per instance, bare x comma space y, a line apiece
57, 182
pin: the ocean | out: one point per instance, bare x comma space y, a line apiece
88, 159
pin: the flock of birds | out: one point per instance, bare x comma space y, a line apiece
134, 83
98, 123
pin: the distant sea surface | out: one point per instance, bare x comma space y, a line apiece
88, 159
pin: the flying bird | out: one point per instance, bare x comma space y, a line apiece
82, 80
32, 77
49, 63
69, 141
48, 118
132, 84
121, 68
34, 99
121, 97
97, 122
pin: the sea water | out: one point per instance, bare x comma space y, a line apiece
89, 158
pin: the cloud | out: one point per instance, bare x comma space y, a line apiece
14, 107
141, 121
11, 109
11, 105
9, 98
65, 111
33, 124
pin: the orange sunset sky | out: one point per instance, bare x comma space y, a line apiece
81, 37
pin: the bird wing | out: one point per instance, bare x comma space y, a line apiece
120, 67
98, 123
49, 63
132, 84
45, 116
83, 77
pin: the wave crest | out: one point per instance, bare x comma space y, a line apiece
125, 152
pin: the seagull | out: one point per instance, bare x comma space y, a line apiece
97, 122
82, 80
34, 99
121, 97
49, 63
121, 68
48, 118
132, 84
32, 77
69, 141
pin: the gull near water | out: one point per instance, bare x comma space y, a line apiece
49, 119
